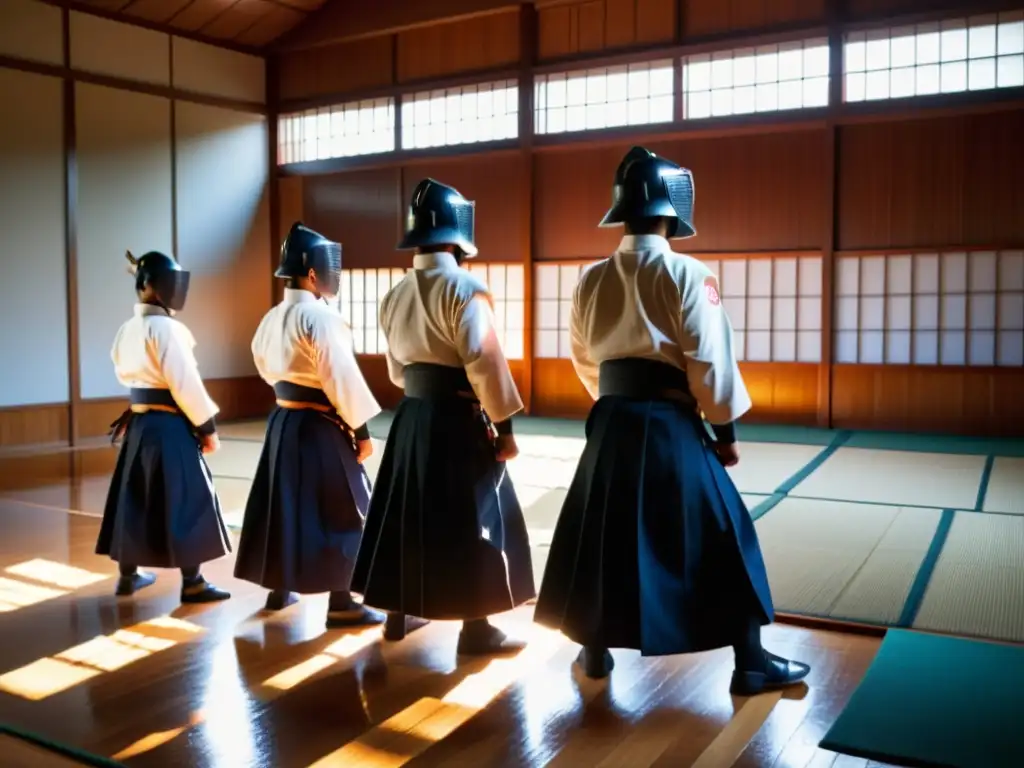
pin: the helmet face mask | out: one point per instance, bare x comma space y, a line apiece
647, 186
439, 216
304, 251
163, 277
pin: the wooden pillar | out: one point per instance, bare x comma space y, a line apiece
527, 58
71, 236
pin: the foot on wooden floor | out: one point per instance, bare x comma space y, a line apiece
356, 616
596, 663
777, 673
279, 599
202, 591
486, 640
129, 585
398, 625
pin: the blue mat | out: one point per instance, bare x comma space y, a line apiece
937, 702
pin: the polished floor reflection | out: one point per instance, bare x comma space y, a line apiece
152, 683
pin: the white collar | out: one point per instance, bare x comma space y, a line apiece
644, 243
440, 259
144, 310
299, 296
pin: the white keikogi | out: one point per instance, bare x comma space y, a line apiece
153, 350
646, 301
304, 341
442, 314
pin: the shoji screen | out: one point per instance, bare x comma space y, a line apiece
952, 308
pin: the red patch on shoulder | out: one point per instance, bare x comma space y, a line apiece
711, 289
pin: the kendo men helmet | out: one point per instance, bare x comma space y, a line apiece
304, 250
439, 215
163, 275
648, 186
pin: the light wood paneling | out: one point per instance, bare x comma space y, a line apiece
31, 30
27, 424
223, 220
785, 393
946, 181
202, 68
336, 69
483, 42
33, 296
954, 399
124, 201
106, 47
361, 210
564, 29
717, 17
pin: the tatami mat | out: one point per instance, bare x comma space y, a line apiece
1006, 487
764, 467
977, 587
844, 560
236, 458
940, 480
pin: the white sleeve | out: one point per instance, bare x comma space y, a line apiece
586, 369
707, 340
174, 343
257, 346
339, 373
480, 351
396, 371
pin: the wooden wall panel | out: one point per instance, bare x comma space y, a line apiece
564, 29
203, 68
125, 200
499, 188
107, 47
28, 424
880, 9
924, 183
953, 399
33, 274
785, 393
223, 231
361, 210
482, 42
752, 193
716, 17
357, 65
31, 30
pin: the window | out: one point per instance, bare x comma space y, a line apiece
344, 130
975, 54
507, 291
931, 308
774, 305
361, 293
765, 79
466, 115
553, 290
607, 97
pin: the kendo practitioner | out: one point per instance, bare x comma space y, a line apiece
445, 536
654, 549
162, 510
304, 515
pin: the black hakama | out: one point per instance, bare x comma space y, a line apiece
162, 510
654, 548
304, 516
445, 536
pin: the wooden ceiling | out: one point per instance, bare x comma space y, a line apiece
252, 23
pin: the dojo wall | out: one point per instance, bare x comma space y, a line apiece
869, 253
117, 137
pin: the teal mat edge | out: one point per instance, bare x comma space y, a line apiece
63, 749
894, 642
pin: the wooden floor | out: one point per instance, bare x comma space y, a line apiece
151, 683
